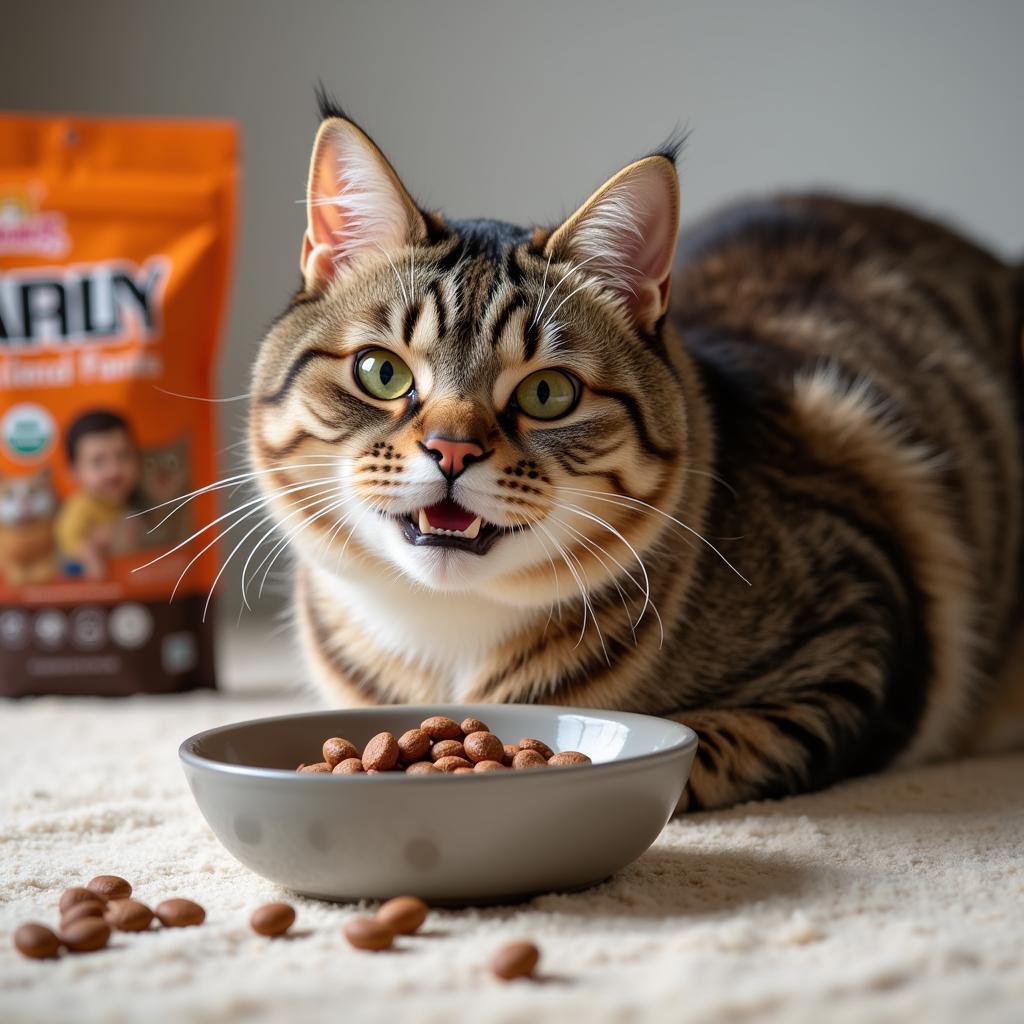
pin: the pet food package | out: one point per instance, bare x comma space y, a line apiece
115, 244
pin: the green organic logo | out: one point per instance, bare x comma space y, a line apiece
28, 431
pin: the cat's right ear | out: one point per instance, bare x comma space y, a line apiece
355, 203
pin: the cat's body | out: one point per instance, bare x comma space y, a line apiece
27, 547
839, 416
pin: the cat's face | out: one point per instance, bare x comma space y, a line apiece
163, 472
472, 405
26, 499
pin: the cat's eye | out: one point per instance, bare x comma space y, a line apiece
381, 374
547, 394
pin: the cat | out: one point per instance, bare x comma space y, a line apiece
163, 476
28, 507
767, 482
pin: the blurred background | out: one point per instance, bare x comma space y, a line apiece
518, 110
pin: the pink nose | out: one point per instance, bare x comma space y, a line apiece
452, 456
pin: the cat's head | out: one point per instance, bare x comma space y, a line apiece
164, 472
26, 499
475, 405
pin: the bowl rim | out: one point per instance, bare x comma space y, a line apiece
686, 741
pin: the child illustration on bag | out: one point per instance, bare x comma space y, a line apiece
92, 525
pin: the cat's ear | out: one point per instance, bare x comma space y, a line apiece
626, 234
355, 203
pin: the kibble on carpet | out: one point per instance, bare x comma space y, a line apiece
897, 897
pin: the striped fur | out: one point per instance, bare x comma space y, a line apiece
790, 509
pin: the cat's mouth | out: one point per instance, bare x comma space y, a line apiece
448, 525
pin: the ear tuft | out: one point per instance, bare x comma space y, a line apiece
327, 105
626, 233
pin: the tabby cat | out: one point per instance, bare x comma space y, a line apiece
782, 504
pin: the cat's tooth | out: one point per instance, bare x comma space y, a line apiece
425, 526
472, 530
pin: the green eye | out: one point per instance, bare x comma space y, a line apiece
547, 394
382, 374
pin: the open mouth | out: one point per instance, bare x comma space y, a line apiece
448, 525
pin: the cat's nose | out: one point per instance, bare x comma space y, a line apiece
452, 454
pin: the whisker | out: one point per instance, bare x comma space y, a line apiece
606, 497
225, 515
319, 499
611, 529
398, 276
216, 539
587, 605
282, 545
543, 286
200, 398
184, 499
569, 272
601, 553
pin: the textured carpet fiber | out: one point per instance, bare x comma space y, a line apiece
899, 897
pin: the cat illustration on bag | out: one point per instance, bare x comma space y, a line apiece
28, 550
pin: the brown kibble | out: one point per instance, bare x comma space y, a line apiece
515, 960
36, 941
413, 745
441, 728
403, 915
368, 933
87, 908
565, 758
320, 768
350, 766
77, 894
449, 764
469, 725
490, 766
110, 887
128, 915
337, 750
447, 748
381, 753
529, 759
526, 743
511, 749
483, 746
463, 771
422, 768
180, 913
86, 935
272, 919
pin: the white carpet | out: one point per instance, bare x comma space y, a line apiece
899, 897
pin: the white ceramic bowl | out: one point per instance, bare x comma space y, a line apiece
457, 839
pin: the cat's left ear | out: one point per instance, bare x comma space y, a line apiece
355, 203
626, 233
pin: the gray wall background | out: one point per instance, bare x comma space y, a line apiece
518, 109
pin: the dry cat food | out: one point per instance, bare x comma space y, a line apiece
89, 914
272, 919
402, 915
36, 941
440, 745
515, 960
179, 913
115, 238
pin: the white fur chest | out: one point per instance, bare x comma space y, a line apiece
451, 634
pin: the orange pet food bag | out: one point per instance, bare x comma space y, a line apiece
115, 244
